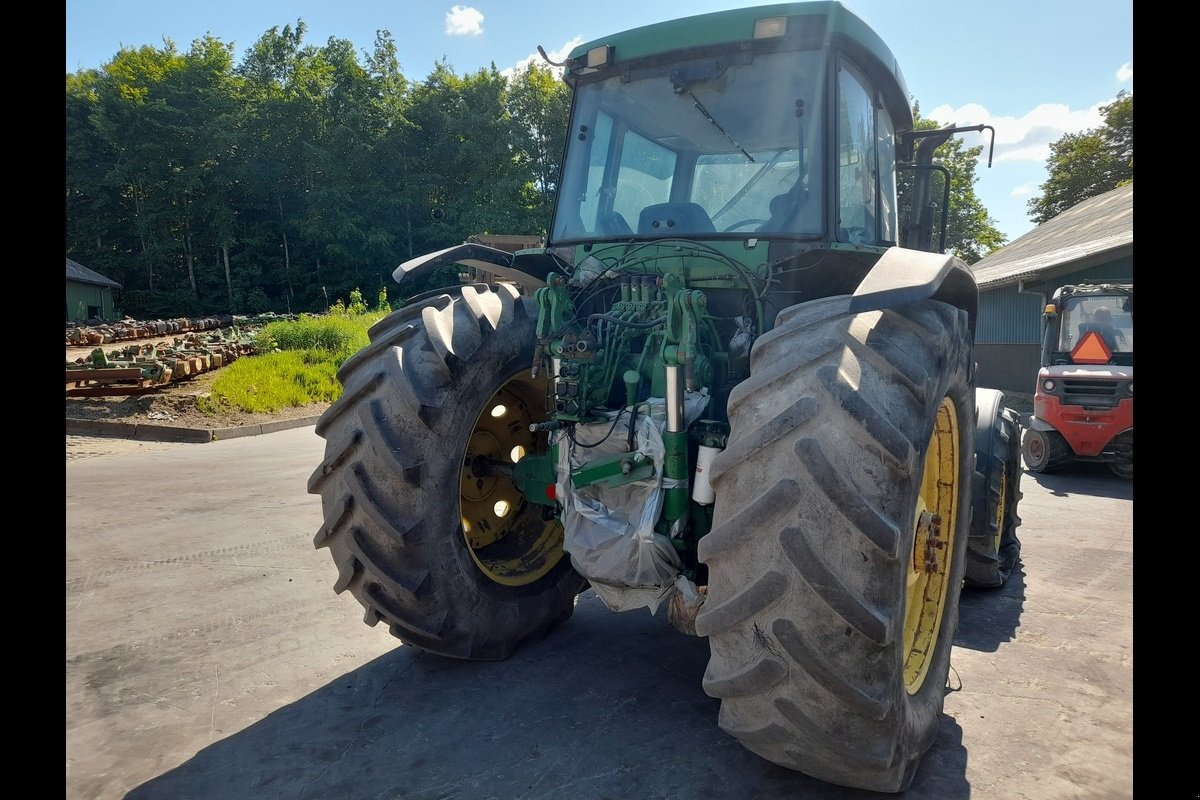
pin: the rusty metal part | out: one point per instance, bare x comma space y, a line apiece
145, 367
78, 335
929, 530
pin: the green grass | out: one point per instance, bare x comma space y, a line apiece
342, 336
301, 373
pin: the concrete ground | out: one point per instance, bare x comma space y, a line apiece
208, 657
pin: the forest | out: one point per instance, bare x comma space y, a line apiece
286, 180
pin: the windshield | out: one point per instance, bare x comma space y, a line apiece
697, 148
1110, 315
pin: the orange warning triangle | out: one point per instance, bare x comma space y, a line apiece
1092, 349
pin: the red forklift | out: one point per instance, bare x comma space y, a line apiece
1083, 402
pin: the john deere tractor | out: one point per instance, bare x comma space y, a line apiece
731, 384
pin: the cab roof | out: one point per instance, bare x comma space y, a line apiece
737, 25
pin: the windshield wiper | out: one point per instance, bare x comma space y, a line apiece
679, 85
750, 184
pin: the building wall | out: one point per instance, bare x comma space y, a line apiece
1007, 367
1007, 316
84, 296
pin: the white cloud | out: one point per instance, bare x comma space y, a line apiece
536, 58
1025, 138
1125, 73
1023, 189
464, 21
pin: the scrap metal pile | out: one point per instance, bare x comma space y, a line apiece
127, 329
149, 366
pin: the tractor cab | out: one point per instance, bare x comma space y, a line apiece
732, 141
1105, 312
763, 135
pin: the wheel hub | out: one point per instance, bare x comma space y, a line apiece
925, 556
934, 521
508, 538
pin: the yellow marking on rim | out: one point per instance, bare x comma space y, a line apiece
934, 521
1000, 507
507, 538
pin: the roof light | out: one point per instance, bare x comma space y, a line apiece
770, 27
598, 56
1049, 309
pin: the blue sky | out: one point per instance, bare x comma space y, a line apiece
1034, 69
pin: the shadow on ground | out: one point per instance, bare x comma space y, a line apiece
987, 618
610, 706
1084, 477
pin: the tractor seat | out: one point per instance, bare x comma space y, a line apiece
1107, 332
675, 219
784, 208
612, 224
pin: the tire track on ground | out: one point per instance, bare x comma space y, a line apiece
276, 545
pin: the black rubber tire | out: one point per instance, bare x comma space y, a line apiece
813, 538
389, 483
993, 547
1044, 451
1122, 464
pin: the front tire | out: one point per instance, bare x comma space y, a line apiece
1121, 464
1044, 451
839, 536
454, 562
993, 548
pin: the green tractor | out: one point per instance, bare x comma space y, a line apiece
722, 386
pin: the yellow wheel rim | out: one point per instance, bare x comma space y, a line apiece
933, 544
507, 537
1000, 508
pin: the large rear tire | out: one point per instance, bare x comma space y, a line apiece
426, 531
993, 548
840, 528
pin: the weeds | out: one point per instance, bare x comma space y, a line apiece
299, 362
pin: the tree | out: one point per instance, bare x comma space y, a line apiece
539, 102
278, 132
300, 172
970, 232
93, 202
1083, 165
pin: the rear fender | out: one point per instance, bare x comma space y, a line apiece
905, 276
528, 267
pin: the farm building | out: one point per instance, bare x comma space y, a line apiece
1091, 242
89, 294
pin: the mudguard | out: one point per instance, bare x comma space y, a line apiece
527, 266
904, 276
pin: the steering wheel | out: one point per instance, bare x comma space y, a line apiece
740, 223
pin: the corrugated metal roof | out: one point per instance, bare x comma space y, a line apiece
1098, 225
78, 272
